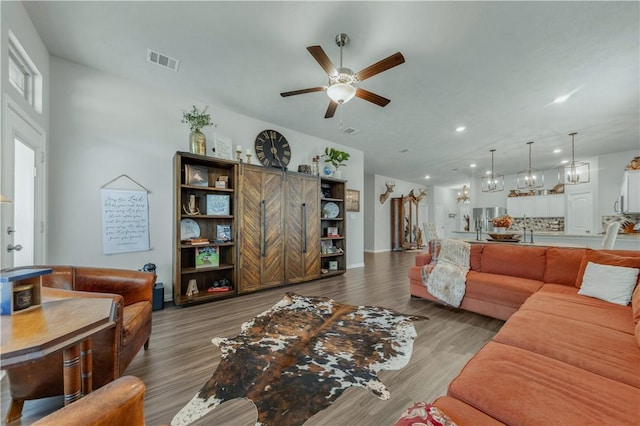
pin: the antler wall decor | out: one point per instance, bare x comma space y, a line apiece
390, 185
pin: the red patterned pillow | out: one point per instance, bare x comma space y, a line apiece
423, 414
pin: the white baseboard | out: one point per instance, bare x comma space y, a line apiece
355, 265
378, 251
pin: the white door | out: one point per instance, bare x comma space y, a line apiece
22, 227
579, 219
440, 221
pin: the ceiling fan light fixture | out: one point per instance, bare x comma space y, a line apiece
575, 172
341, 93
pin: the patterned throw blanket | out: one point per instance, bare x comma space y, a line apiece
299, 356
447, 279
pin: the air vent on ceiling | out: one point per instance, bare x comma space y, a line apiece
404, 151
162, 60
350, 131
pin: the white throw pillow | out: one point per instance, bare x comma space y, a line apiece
613, 284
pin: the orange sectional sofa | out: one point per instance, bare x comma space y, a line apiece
561, 357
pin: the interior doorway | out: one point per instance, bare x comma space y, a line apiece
23, 182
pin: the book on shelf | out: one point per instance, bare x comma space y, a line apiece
196, 241
207, 257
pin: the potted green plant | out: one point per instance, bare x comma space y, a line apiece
335, 157
197, 120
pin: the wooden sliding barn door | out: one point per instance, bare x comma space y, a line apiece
262, 228
303, 228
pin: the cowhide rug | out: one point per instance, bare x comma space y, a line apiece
299, 356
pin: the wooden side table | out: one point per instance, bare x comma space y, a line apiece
59, 325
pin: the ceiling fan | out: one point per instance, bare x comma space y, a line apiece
342, 81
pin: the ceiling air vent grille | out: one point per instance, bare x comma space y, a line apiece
351, 131
162, 60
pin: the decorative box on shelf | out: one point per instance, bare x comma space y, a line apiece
20, 290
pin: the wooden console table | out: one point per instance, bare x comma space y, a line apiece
58, 325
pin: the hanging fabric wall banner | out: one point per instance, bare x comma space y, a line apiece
125, 221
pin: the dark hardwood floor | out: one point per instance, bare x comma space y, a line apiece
181, 356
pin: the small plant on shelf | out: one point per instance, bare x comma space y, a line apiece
335, 157
197, 119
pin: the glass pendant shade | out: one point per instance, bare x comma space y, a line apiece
576, 172
530, 178
341, 93
493, 182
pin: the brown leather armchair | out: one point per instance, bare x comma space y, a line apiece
116, 404
113, 349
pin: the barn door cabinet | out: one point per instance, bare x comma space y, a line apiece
262, 239
205, 231
302, 228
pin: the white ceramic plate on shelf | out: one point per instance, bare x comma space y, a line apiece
189, 229
332, 210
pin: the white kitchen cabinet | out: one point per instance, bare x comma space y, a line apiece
520, 206
536, 206
630, 200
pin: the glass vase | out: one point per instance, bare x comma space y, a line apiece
197, 143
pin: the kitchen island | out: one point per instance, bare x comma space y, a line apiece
558, 239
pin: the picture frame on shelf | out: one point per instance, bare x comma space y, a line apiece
333, 265
207, 257
352, 200
223, 147
332, 231
196, 175
218, 205
223, 233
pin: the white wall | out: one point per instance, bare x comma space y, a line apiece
103, 126
378, 221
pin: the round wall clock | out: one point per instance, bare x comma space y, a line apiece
272, 149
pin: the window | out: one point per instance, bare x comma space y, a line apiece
18, 76
23, 75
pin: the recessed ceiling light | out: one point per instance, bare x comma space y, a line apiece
564, 161
557, 151
472, 165
460, 129
427, 177
561, 99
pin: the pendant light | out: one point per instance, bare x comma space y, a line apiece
530, 178
576, 172
493, 182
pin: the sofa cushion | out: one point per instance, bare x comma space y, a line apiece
613, 284
475, 256
635, 304
515, 261
133, 318
581, 308
563, 265
516, 386
604, 258
464, 414
500, 289
601, 350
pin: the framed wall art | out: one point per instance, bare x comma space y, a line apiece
353, 200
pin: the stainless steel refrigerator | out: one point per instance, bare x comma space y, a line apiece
482, 216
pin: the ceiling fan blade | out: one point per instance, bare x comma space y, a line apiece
303, 91
380, 66
372, 97
322, 58
331, 110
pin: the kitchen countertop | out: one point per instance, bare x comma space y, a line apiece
554, 234
560, 239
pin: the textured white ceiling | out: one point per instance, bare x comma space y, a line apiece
494, 67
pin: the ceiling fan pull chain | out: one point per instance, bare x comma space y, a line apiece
341, 108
